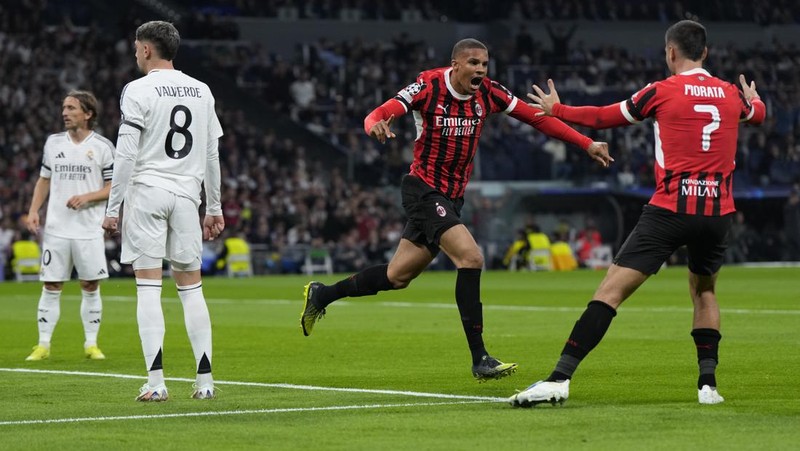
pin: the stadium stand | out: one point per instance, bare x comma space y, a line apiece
282, 194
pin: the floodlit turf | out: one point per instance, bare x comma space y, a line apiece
403, 357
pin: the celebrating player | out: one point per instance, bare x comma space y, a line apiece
450, 105
167, 148
696, 119
76, 175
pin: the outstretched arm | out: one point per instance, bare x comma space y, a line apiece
597, 117
554, 128
377, 124
759, 110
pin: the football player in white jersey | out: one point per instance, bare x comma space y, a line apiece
76, 174
167, 147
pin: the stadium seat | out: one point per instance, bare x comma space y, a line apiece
601, 257
318, 260
26, 260
563, 257
539, 257
238, 261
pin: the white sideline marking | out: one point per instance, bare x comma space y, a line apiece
231, 412
439, 305
268, 385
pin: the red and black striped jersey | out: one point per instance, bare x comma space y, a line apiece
696, 128
448, 127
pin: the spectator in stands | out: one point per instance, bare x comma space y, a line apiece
588, 239
524, 43
739, 241
7, 233
517, 253
304, 93
791, 226
560, 38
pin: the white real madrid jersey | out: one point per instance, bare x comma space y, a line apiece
76, 168
176, 117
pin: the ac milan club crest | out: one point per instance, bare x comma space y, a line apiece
440, 210
478, 110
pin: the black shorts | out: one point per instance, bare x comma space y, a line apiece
429, 212
660, 232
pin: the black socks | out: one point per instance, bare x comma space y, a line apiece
365, 283
468, 299
586, 334
707, 343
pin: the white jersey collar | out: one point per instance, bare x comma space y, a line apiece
450, 88
697, 70
88, 137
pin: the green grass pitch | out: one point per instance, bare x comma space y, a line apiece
402, 361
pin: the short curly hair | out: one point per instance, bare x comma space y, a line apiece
163, 35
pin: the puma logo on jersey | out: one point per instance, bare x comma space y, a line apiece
444, 108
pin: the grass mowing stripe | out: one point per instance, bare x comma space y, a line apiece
268, 385
233, 412
439, 305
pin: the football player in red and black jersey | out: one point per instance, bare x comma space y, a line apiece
449, 105
696, 122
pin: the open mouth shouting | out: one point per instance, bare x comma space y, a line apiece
475, 83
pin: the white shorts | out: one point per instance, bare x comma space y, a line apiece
60, 255
160, 224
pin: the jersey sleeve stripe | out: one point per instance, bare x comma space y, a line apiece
623, 106
511, 105
635, 108
403, 102
750, 115
136, 126
751, 111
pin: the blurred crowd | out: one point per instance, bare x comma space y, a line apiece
279, 196
762, 12
329, 86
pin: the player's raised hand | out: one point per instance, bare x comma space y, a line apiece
381, 130
544, 101
599, 153
213, 227
32, 222
748, 90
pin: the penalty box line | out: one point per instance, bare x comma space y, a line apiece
270, 385
232, 412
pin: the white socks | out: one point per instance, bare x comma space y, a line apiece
151, 328
198, 327
150, 318
91, 313
48, 314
